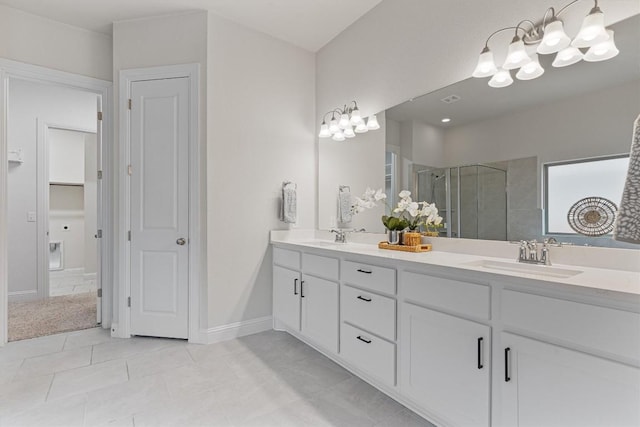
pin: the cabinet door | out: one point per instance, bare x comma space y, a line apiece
553, 386
445, 365
320, 311
286, 296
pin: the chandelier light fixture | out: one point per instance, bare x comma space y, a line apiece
549, 36
346, 122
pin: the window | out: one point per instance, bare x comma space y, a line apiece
568, 182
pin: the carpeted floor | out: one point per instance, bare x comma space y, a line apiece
51, 316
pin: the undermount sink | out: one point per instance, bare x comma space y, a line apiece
541, 270
321, 243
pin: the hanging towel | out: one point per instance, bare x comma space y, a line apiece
344, 204
289, 210
627, 227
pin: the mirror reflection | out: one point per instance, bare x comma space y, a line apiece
480, 153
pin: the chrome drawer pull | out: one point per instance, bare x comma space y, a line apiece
363, 339
364, 299
364, 271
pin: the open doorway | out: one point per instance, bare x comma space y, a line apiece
53, 138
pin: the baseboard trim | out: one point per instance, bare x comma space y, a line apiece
66, 272
90, 276
233, 330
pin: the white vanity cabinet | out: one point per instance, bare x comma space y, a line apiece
368, 311
305, 295
466, 348
568, 363
549, 385
445, 359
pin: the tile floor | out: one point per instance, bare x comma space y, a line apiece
87, 378
60, 284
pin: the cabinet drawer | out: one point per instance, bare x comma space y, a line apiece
379, 279
468, 299
320, 266
612, 331
369, 311
286, 258
369, 353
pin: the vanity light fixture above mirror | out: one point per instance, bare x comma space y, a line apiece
550, 37
346, 122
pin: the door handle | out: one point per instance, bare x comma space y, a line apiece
507, 377
295, 286
181, 241
480, 365
301, 289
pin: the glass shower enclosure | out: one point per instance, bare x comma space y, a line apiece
472, 199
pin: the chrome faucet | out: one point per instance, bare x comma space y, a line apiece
341, 235
528, 252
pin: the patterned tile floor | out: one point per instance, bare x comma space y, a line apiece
87, 378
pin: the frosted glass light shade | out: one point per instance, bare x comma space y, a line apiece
531, 70
592, 31
372, 123
361, 127
602, 51
349, 133
338, 136
567, 56
501, 79
486, 66
554, 39
355, 117
333, 126
344, 121
517, 56
324, 131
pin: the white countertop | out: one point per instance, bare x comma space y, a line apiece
605, 279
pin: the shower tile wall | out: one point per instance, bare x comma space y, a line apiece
524, 215
492, 202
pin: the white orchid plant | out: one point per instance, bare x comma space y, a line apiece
417, 213
410, 214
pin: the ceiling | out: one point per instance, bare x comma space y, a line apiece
309, 24
481, 102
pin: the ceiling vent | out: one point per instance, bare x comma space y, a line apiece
450, 99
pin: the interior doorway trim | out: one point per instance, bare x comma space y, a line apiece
43, 147
122, 328
17, 70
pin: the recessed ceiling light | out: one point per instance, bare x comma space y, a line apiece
446, 120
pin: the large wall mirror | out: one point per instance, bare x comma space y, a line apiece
482, 154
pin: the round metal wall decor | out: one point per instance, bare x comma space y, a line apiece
592, 216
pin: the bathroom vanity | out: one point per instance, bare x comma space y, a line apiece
466, 339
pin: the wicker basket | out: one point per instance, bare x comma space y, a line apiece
411, 239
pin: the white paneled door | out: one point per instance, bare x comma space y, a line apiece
159, 207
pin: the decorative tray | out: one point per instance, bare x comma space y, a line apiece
418, 248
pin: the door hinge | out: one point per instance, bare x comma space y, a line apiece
99, 292
99, 234
129, 170
129, 235
129, 103
99, 115
99, 174
128, 301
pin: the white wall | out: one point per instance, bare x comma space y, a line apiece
66, 209
29, 102
261, 131
34, 40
